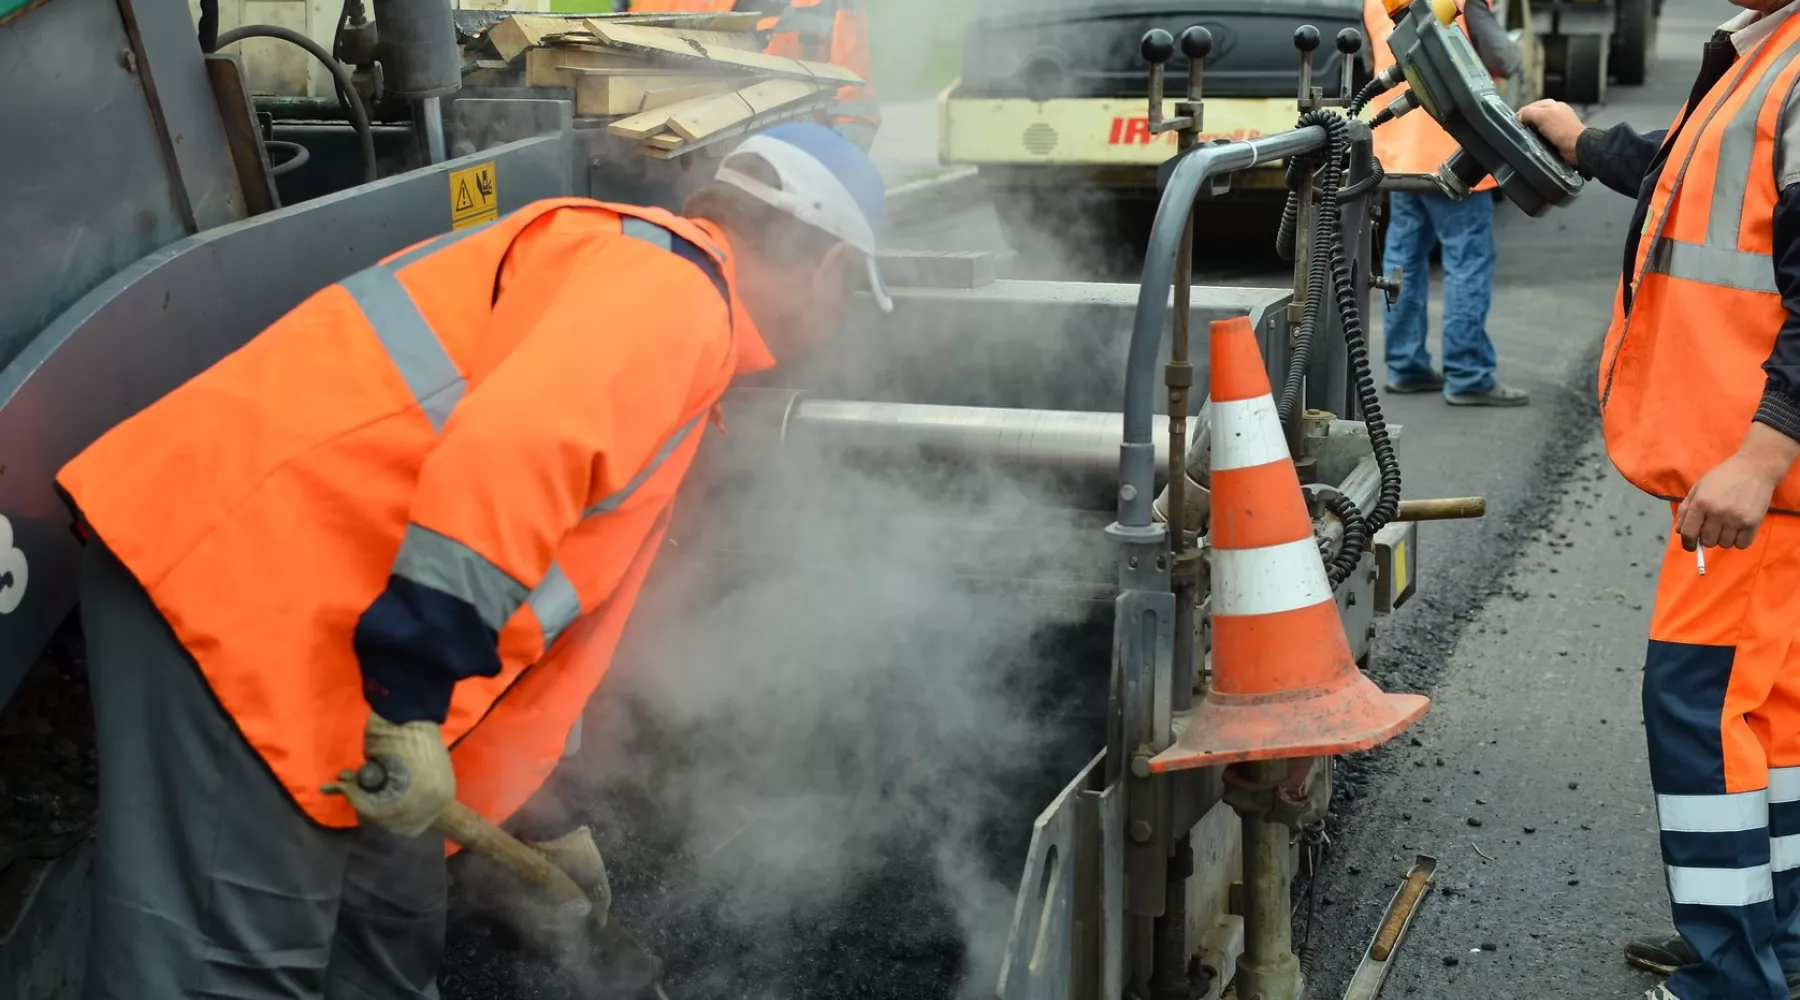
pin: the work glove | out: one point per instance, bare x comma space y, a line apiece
420, 781
535, 919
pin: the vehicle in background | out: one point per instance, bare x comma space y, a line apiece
1050, 104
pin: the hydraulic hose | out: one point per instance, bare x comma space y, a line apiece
354, 109
297, 157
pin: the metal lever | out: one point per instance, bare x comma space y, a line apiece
1306, 39
1157, 48
1349, 44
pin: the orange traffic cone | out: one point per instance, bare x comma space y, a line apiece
1283, 682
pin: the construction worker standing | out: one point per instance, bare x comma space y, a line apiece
407, 523
1414, 144
1700, 393
833, 31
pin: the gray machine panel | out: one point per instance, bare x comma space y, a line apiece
173, 314
110, 197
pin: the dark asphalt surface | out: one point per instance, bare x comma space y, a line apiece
1527, 780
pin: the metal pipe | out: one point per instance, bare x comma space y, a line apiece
428, 115
1137, 455
1076, 451
1061, 442
1268, 969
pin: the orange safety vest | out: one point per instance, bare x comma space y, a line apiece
837, 32
1413, 143
503, 414
1681, 372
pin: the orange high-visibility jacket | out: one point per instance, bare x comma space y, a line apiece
833, 31
1681, 373
1412, 143
837, 32
499, 417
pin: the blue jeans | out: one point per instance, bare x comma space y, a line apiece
1466, 231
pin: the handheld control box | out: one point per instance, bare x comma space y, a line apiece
1451, 85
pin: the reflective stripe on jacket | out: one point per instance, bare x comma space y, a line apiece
1412, 143
499, 417
1681, 375
833, 31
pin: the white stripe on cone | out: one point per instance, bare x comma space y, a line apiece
1268, 580
1247, 433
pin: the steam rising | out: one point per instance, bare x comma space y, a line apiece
839, 710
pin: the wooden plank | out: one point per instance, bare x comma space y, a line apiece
698, 120
649, 123
742, 41
801, 110
557, 66
662, 97
605, 94
661, 43
513, 36
697, 21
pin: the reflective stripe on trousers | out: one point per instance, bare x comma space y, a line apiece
439, 561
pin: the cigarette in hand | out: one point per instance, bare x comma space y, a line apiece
1700, 559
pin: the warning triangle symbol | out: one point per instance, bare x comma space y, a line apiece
464, 200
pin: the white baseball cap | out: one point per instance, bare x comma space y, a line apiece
826, 182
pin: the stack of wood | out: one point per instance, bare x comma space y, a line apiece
671, 83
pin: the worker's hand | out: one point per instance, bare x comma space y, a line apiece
1557, 123
547, 924
1728, 504
420, 781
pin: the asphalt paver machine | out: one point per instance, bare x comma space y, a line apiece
149, 240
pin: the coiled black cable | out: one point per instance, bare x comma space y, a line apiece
1365, 186
1356, 539
1371, 90
1326, 171
1331, 265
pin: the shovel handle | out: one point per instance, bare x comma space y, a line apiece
468, 829
464, 826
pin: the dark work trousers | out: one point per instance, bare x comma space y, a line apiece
1722, 715
210, 881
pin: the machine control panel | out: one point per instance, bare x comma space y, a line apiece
1451, 85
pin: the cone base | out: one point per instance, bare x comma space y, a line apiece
1231, 731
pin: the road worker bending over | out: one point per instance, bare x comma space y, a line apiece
1700, 392
408, 522
829, 31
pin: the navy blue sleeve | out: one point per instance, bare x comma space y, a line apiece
1618, 157
1780, 407
415, 643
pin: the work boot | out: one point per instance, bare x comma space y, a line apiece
1663, 955
1499, 395
1429, 383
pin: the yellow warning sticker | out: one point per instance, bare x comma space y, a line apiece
474, 196
1400, 568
